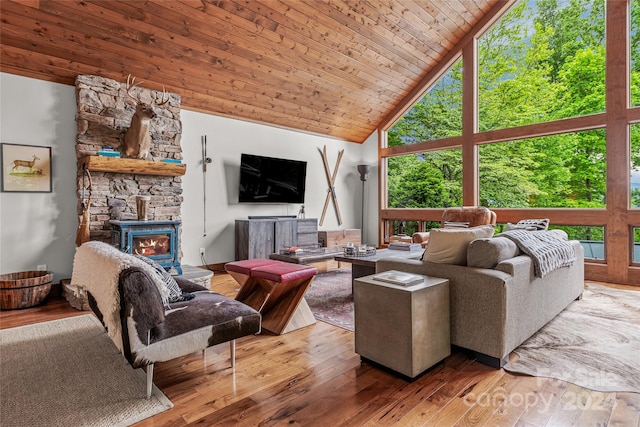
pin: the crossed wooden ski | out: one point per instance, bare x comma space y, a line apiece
331, 179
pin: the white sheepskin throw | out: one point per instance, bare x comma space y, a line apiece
96, 268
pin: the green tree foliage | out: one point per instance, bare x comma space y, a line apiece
575, 26
581, 84
532, 83
437, 115
432, 179
635, 52
635, 100
542, 61
576, 232
635, 164
513, 87
635, 198
428, 179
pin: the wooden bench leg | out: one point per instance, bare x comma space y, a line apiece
301, 317
288, 310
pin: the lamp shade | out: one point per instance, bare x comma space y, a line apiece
364, 172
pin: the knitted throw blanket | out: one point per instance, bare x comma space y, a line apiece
548, 250
96, 268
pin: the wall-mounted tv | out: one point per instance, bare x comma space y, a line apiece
271, 180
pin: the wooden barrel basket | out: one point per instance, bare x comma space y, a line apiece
24, 289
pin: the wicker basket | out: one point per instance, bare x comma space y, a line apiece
24, 289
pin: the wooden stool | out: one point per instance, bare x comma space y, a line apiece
276, 289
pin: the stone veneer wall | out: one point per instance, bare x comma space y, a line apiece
102, 118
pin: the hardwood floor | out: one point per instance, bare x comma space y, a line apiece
312, 377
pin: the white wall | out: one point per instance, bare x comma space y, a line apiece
226, 140
40, 228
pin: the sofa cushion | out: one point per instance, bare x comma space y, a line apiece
226, 318
246, 265
281, 271
489, 252
189, 326
449, 245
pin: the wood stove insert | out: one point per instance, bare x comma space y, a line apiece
157, 240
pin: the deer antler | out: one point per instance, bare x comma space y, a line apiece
130, 85
164, 101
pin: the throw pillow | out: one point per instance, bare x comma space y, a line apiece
175, 293
449, 245
529, 225
489, 252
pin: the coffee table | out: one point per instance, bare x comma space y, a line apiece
366, 265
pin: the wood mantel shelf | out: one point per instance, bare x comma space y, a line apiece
133, 166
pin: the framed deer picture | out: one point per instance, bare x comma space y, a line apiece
26, 168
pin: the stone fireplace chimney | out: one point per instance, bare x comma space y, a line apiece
103, 116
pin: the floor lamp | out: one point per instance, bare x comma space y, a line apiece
364, 175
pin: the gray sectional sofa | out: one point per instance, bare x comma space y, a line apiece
496, 301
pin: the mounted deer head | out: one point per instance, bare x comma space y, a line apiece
137, 139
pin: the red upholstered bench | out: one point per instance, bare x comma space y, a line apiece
276, 289
241, 270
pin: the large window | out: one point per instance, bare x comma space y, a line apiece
556, 171
535, 141
437, 115
425, 180
543, 60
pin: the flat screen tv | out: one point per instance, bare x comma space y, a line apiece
271, 180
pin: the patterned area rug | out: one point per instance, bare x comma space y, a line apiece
594, 343
330, 298
68, 372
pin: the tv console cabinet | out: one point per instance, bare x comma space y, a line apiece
261, 237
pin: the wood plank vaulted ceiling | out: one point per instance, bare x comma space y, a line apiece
331, 67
